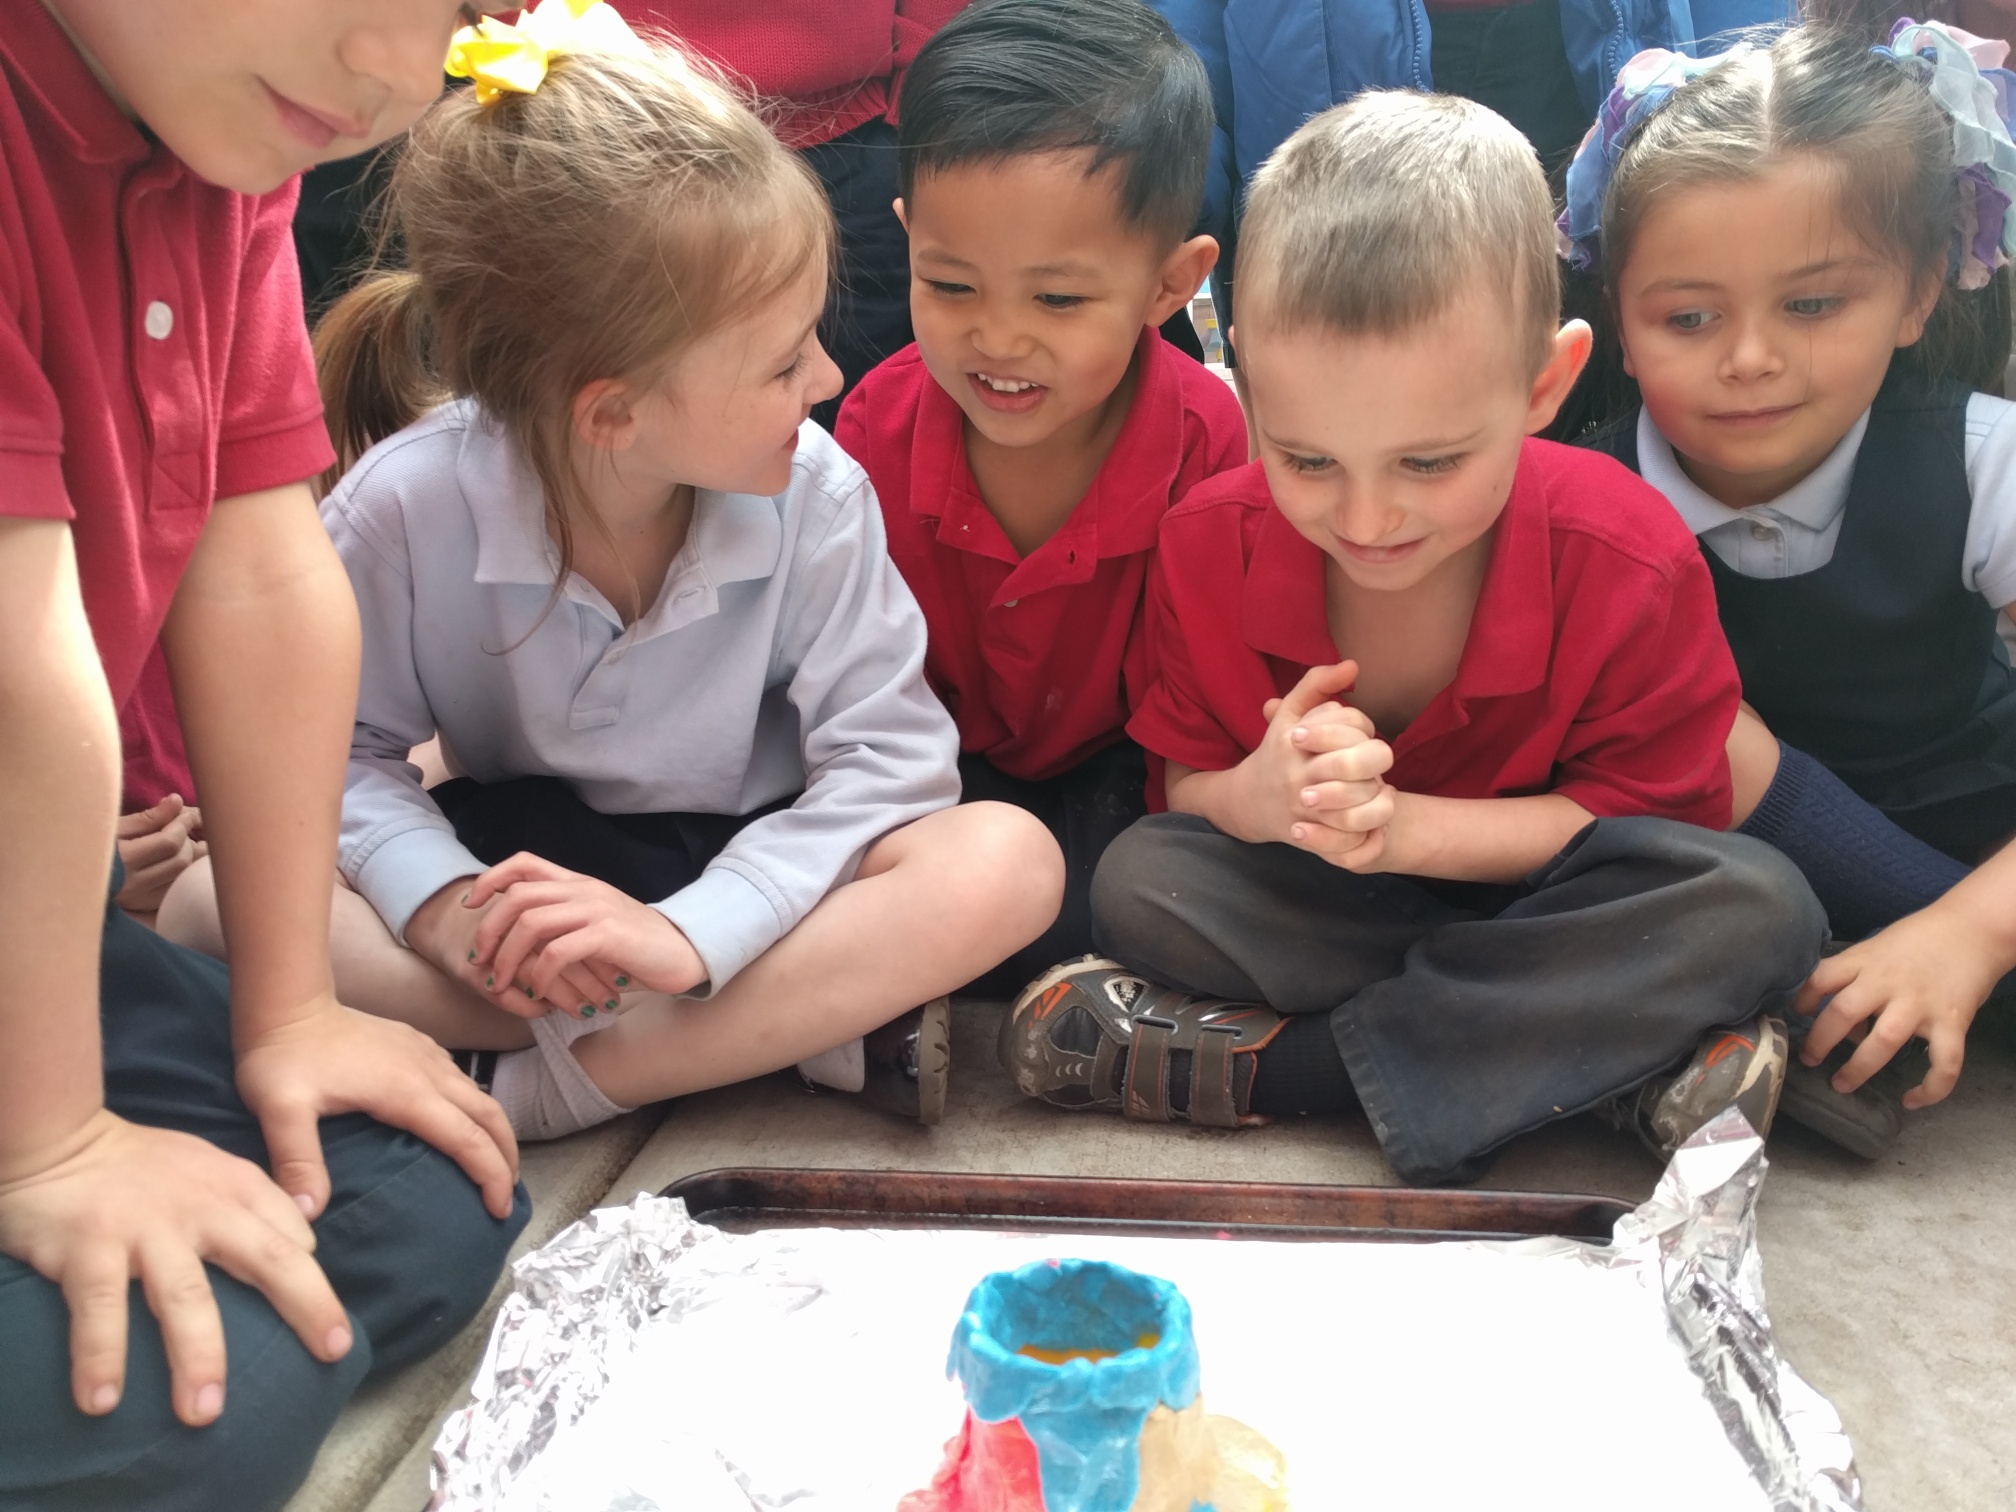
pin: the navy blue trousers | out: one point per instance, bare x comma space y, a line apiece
405, 1241
1467, 1013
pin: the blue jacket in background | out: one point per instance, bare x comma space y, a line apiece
1275, 63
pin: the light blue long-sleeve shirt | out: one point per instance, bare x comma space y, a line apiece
783, 655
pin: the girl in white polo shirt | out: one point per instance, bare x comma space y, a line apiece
701, 825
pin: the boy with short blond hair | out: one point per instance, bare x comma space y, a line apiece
1443, 709
1051, 157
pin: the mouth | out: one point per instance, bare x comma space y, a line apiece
1379, 556
1750, 419
1011, 396
315, 128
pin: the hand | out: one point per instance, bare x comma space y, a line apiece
1927, 975
329, 1059
445, 929
157, 845
549, 921
1315, 778
124, 1201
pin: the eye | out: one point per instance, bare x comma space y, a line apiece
1300, 464
948, 290
1060, 301
797, 367
1688, 320
1429, 466
1813, 305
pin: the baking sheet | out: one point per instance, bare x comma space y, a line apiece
655, 1363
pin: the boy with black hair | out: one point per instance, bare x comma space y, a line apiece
1051, 158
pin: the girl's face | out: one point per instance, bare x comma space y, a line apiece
248, 93
1759, 326
728, 417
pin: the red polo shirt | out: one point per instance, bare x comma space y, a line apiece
1039, 658
152, 353
1595, 667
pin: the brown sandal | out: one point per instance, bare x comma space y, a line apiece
1091, 1034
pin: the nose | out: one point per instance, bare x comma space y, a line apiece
827, 379
399, 47
993, 335
1751, 352
1363, 517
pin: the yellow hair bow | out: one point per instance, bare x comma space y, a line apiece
510, 58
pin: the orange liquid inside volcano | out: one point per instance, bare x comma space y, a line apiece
1050, 1356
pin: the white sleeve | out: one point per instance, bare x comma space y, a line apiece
1990, 565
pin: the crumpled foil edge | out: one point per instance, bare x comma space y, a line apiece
579, 1303
1694, 1242
576, 1308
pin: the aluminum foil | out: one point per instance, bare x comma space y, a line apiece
1697, 1236
646, 1363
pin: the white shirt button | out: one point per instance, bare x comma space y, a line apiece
160, 320
1012, 603
1759, 531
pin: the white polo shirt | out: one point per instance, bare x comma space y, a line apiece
1795, 533
783, 655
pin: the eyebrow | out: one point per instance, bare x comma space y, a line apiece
1413, 449
1830, 265
1068, 268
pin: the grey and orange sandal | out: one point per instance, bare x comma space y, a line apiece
1742, 1068
1091, 1034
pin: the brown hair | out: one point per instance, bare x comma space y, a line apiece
1377, 213
593, 229
1819, 91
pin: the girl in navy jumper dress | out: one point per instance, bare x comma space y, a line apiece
1856, 506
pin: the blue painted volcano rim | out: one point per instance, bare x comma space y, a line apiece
1083, 1416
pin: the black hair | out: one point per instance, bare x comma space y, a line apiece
1008, 77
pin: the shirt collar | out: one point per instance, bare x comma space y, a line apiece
1814, 502
47, 64
734, 537
1121, 512
1284, 613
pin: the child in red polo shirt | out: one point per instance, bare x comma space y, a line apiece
1462, 893
158, 420
1052, 157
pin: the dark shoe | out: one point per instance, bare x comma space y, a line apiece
480, 1066
909, 1062
1742, 1068
1865, 1122
1091, 1034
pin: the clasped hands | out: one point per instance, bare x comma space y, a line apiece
1317, 779
534, 938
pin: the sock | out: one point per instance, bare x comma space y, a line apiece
844, 1068
1865, 871
543, 1090
1300, 1071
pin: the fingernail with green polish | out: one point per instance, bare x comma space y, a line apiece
587, 1010
611, 1005
528, 992
622, 981
490, 981
472, 955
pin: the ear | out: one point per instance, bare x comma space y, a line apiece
902, 215
1924, 299
1181, 274
604, 415
1572, 344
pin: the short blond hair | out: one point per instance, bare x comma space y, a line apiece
1379, 213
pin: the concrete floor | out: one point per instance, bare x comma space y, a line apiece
1892, 1285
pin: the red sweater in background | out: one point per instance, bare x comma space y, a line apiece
830, 64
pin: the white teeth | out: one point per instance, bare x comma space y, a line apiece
1006, 385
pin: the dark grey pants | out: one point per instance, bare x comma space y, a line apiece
404, 1240
1466, 1013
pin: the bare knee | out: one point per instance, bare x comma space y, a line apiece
189, 913
991, 862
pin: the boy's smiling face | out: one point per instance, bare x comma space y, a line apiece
1029, 290
249, 93
1396, 453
